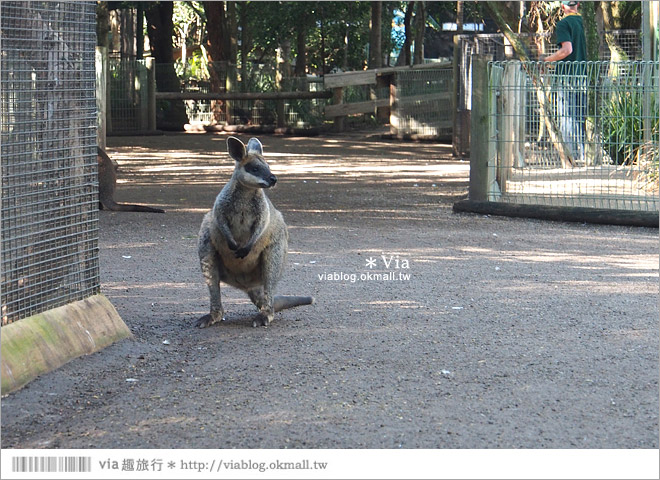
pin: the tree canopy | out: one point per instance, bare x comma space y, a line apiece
315, 37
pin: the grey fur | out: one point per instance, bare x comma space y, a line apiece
243, 240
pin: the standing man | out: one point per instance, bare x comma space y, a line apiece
571, 79
570, 37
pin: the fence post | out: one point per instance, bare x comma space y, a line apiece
101, 95
511, 135
142, 83
650, 13
337, 99
280, 113
394, 107
479, 131
151, 93
383, 113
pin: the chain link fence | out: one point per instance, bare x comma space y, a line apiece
581, 134
49, 196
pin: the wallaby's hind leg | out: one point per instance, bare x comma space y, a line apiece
260, 300
272, 264
211, 265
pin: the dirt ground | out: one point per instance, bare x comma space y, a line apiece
477, 332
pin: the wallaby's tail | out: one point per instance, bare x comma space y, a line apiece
127, 207
282, 302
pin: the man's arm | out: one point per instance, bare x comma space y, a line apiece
565, 50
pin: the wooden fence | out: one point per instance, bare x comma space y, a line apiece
416, 101
413, 108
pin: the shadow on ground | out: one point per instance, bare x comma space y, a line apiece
431, 329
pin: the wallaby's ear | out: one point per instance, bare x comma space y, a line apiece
235, 148
254, 146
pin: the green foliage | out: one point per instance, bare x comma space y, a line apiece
627, 14
336, 33
339, 36
623, 122
196, 67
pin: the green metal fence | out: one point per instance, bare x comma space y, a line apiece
616, 45
581, 134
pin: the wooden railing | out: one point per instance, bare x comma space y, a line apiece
385, 109
242, 95
390, 109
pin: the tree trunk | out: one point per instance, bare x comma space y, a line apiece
283, 54
590, 30
283, 60
386, 35
102, 25
323, 66
495, 9
219, 52
616, 52
160, 29
232, 69
139, 31
301, 47
219, 42
511, 13
501, 15
404, 56
232, 25
375, 35
521, 16
245, 40
420, 28
456, 75
344, 61
127, 33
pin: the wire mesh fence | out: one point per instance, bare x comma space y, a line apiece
49, 194
616, 45
255, 79
127, 86
583, 134
423, 104
128, 92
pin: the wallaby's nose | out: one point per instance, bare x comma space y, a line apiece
273, 180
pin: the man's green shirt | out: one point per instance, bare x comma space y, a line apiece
571, 29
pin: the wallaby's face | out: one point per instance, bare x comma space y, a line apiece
251, 169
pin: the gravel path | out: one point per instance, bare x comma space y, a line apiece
466, 331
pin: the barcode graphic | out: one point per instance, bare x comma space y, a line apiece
51, 464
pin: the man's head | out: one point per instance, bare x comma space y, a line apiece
570, 7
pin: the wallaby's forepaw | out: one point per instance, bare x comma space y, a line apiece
242, 252
209, 319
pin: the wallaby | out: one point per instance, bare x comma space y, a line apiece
243, 241
108, 183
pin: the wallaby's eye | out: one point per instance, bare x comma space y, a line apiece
253, 169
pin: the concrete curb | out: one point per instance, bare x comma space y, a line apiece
41, 343
560, 214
